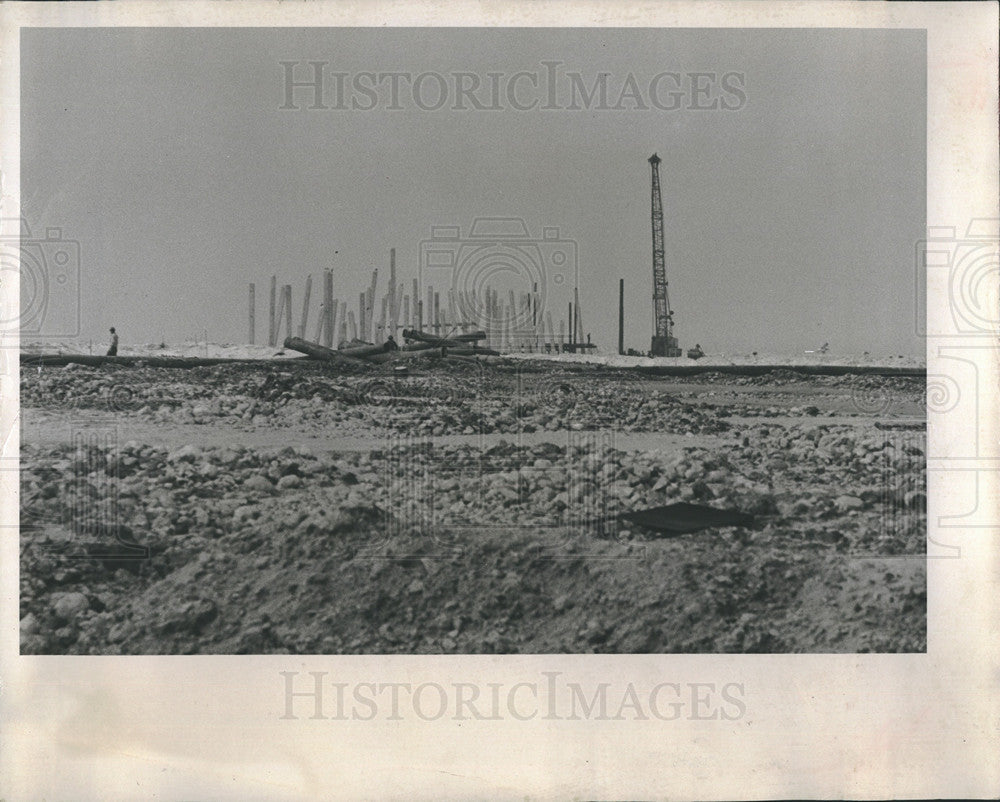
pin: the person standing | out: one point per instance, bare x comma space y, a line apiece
113, 350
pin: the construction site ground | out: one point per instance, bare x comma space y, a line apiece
466, 508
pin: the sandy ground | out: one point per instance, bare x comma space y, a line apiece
275, 508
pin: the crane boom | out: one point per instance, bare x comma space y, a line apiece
661, 302
664, 343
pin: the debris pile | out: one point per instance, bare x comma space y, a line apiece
309, 396
456, 549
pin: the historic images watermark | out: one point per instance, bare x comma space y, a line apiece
550, 86
546, 696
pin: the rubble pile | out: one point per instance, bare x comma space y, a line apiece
457, 549
311, 396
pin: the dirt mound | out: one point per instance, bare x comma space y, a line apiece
512, 548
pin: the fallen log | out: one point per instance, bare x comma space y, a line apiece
362, 351
404, 354
460, 340
409, 347
429, 350
320, 352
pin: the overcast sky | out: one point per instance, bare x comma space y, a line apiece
791, 208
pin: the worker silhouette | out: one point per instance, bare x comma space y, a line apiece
113, 350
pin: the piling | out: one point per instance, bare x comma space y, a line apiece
305, 307
328, 307
334, 308
621, 316
272, 335
577, 319
253, 306
288, 310
342, 331
392, 292
370, 304
380, 329
320, 328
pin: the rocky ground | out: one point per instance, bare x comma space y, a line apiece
467, 508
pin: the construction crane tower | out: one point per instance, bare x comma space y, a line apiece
664, 342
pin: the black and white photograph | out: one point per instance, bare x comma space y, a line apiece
487, 342
512, 342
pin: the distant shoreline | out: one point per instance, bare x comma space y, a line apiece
244, 351
200, 354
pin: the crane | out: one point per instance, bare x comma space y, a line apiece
664, 343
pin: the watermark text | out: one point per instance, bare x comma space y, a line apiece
319, 85
319, 695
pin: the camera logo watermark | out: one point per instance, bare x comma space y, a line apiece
49, 270
549, 696
318, 85
499, 279
870, 396
965, 270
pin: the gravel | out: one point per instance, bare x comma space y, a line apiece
501, 547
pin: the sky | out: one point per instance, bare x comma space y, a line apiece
793, 174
